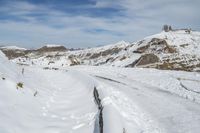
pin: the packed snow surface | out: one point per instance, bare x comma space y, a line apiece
61, 101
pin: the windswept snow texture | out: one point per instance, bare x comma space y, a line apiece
136, 100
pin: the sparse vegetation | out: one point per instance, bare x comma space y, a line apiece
54, 68
46, 68
124, 130
51, 62
123, 58
49, 56
35, 94
22, 71
20, 85
184, 45
22, 64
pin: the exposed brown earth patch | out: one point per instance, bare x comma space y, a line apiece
51, 49
157, 45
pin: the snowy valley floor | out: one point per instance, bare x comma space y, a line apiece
133, 100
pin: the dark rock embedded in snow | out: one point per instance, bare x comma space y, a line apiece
52, 49
147, 59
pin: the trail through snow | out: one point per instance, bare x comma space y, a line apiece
135, 105
133, 100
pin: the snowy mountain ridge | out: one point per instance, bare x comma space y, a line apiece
173, 50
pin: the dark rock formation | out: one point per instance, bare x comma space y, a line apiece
147, 59
11, 53
52, 49
156, 45
74, 61
105, 53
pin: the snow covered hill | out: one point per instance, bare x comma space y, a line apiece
97, 99
36, 100
13, 51
173, 50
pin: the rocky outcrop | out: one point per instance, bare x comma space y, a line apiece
105, 53
51, 49
156, 45
179, 62
147, 59
11, 54
74, 61
14, 53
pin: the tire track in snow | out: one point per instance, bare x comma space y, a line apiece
125, 108
100, 108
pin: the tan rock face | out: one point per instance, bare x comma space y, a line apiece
156, 45
105, 53
74, 61
52, 49
147, 59
11, 54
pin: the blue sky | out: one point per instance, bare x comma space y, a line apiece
89, 23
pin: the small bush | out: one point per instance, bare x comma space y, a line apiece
3, 78
35, 94
45, 68
20, 85
54, 68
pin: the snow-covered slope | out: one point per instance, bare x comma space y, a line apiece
46, 101
43, 92
13, 51
86, 99
173, 50
148, 100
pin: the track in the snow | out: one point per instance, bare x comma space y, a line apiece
100, 108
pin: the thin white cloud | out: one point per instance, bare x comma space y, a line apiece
141, 18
